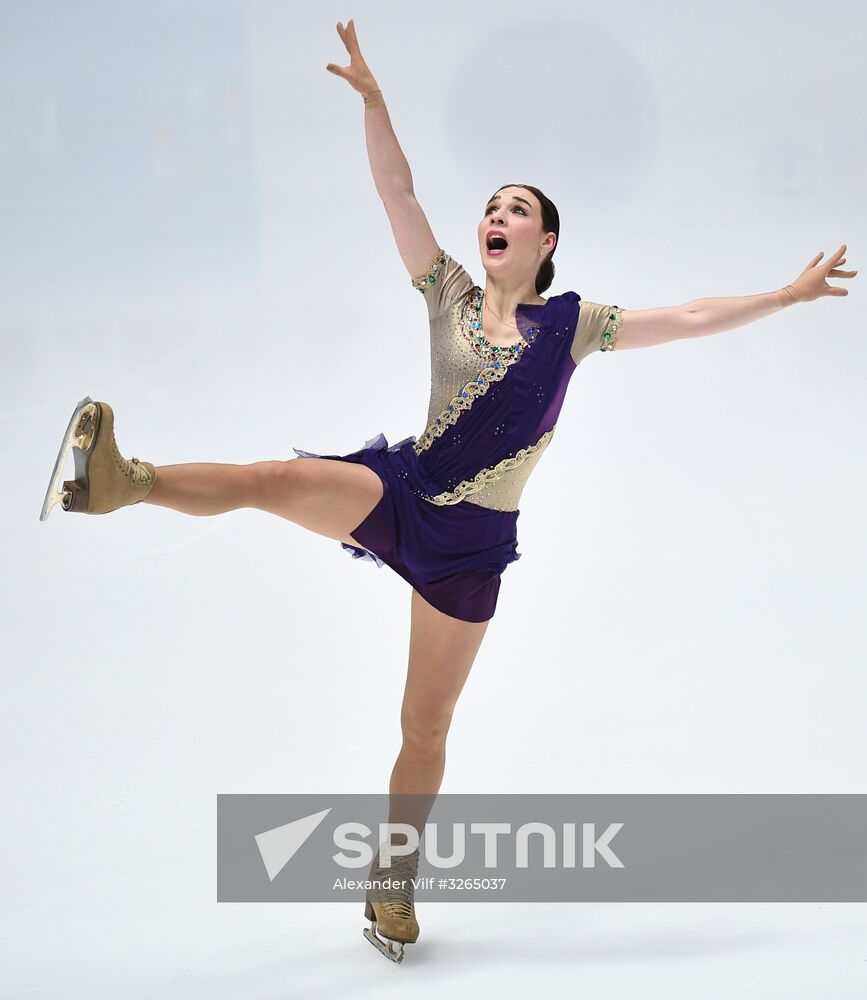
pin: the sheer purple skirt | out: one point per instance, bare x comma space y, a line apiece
453, 554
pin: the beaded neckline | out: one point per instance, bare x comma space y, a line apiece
472, 326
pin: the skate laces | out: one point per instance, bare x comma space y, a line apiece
132, 468
397, 897
140, 473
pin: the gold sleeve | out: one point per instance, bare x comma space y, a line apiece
597, 329
443, 284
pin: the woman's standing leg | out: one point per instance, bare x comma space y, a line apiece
442, 650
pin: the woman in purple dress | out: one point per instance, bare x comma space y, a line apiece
439, 508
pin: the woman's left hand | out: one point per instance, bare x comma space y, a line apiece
811, 283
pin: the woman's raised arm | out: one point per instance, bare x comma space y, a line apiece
391, 173
648, 327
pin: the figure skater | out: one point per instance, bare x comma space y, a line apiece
440, 508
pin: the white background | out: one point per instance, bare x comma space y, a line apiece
191, 233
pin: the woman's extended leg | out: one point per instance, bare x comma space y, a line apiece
442, 650
323, 495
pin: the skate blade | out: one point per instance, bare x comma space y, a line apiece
54, 493
391, 949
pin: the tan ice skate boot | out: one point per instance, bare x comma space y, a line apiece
104, 479
392, 910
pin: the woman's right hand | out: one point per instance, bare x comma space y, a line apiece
357, 73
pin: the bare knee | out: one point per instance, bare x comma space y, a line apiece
268, 482
425, 732
326, 496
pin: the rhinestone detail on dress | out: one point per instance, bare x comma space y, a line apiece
476, 387
490, 475
609, 335
430, 275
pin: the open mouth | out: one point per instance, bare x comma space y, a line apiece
496, 246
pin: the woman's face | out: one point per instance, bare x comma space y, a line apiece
516, 214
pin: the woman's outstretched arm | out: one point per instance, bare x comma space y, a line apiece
392, 176
648, 327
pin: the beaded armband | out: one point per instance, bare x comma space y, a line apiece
609, 336
430, 275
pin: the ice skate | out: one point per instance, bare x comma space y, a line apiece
104, 479
392, 910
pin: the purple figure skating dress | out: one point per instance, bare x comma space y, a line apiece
447, 519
